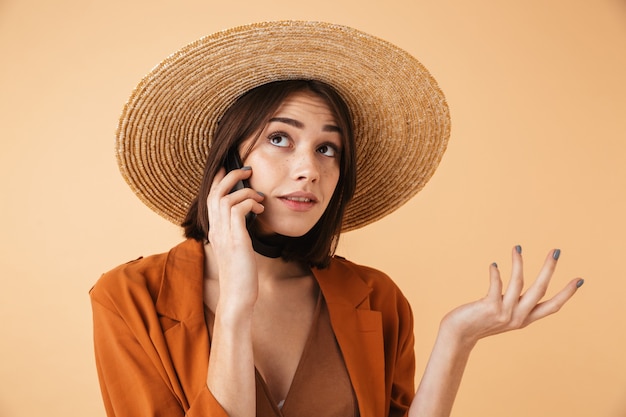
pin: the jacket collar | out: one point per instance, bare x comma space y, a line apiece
341, 285
183, 277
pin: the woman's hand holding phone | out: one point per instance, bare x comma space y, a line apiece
229, 237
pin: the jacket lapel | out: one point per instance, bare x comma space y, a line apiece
359, 333
180, 308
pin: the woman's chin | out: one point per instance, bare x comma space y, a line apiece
289, 230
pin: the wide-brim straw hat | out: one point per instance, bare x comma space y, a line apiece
401, 118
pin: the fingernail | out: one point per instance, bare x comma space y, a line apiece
580, 283
495, 265
260, 193
556, 254
518, 249
246, 168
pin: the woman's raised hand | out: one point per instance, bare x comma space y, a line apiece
516, 308
495, 313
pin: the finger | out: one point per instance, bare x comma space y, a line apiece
539, 288
219, 176
516, 284
228, 215
239, 196
220, 200
554, 304
244, 200
495, 283
224, 184
211, 197
240, 203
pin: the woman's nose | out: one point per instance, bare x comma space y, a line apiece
305, 166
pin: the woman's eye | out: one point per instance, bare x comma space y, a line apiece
327, 150
279, 139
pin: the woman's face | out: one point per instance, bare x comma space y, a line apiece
295, 164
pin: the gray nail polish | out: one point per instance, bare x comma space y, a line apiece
556, 254
260, 193
518, 249
246, 168
495, 265
580, 283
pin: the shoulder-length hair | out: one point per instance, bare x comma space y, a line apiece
247, 117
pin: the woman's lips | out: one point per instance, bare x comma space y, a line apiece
299, 201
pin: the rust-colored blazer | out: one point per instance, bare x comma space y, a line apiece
152, 344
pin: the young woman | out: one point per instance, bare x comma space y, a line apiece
253, 314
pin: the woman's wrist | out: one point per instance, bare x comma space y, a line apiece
451, 335
234, 314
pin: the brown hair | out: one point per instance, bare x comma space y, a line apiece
245, 118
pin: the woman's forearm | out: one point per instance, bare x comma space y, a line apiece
231, 376
442, 377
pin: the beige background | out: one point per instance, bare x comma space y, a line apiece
537, 157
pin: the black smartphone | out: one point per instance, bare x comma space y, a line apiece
233, 161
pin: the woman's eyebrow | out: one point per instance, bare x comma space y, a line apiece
288, 121
298, 124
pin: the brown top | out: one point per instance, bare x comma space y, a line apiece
321, 385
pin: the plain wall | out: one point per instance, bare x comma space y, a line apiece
537, 157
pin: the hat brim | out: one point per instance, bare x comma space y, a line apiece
401, 118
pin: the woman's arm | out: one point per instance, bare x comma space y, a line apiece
231, 376
496, 313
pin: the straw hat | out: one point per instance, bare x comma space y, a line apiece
401, 118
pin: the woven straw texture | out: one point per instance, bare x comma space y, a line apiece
401, 118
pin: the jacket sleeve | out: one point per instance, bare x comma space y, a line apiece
403, 384
135, 373
399, 342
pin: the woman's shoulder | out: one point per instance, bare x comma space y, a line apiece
140, 278
371, 276
141, 275
380, 286
365, 286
